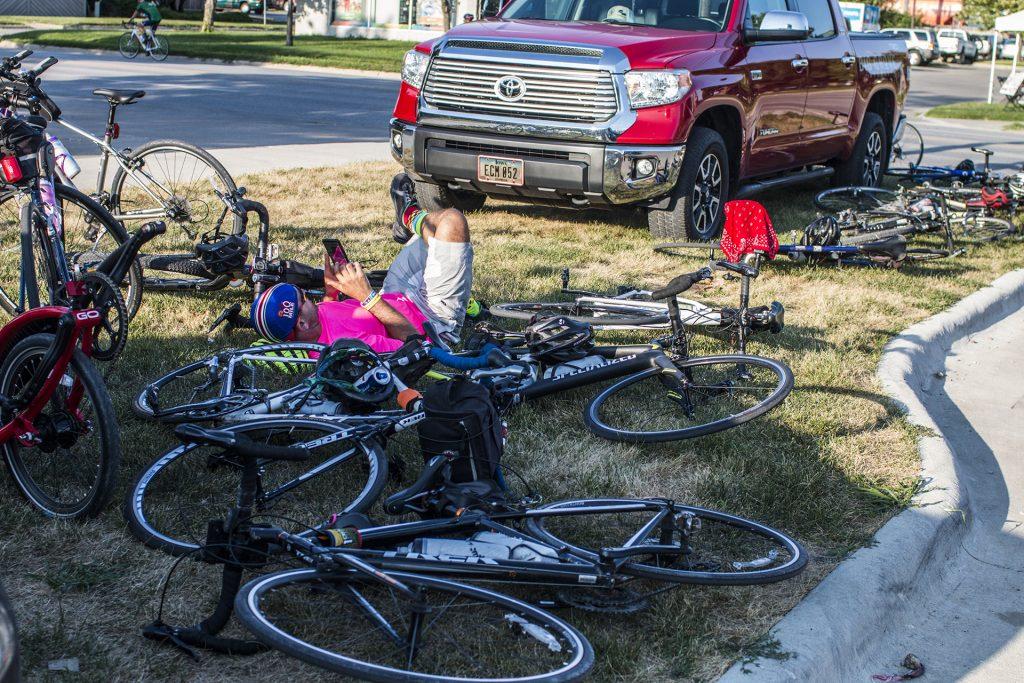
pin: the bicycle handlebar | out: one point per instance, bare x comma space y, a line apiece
42, 66
490, 356
395, 503
681, 283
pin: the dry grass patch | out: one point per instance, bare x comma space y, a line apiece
814, 467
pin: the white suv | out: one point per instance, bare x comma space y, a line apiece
922, 46
956, 43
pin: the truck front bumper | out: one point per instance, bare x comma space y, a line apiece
554, 171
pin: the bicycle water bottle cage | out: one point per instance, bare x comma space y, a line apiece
223, 254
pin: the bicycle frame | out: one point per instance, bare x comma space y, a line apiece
74, 329
108, 151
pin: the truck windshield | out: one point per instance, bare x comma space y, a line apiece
681, 15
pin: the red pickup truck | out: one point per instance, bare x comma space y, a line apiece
674, 106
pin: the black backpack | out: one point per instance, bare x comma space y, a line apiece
461, 418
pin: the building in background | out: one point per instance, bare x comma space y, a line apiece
861, 16
929, 12
44, 8
398, 19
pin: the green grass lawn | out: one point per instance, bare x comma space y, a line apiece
997, 111
829, 466
188, 19
350, 53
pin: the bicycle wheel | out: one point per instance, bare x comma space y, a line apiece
90, 234
909, 151
172, 182
73, 470
986, 228
193, 393
597, 314
361, 626
172, 501
707, 395
128, 45
723, 549
856, 198
160, 49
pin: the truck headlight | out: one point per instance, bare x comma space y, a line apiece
414, 67
653, 88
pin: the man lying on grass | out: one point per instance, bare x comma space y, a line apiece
429, 280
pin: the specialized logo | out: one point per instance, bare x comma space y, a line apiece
510, 88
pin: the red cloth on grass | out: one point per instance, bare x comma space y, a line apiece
748, 228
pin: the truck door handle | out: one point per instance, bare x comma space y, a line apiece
799, 64
849, 60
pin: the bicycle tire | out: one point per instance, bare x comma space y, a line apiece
783, 384
152, 404
210, 203
102, 475
128, 46
84, 240
592, 313
909, 149
601, 524
161, 48
185, 477
857, 198
986, 228
254, 598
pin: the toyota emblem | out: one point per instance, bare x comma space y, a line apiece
510, 88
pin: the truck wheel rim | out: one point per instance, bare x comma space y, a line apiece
707, 193
873, 159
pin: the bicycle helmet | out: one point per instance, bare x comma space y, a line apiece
351, 372
994, 198
965, 165
225, 255
822, 232
559, 340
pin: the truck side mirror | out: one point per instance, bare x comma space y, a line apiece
779, 26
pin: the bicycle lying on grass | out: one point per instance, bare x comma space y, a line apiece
378, 612
633, 308
662, 393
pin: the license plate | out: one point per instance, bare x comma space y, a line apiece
500, 170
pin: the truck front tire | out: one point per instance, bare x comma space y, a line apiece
695, 210
867, 164
436, 198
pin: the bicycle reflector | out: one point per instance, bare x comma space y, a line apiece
11, 169
115, 131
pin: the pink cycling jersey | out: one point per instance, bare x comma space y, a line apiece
348, 320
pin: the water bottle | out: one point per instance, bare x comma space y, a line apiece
68, 166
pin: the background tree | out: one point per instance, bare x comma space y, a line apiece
208, 16
983, 13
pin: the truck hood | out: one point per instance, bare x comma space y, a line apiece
646, 47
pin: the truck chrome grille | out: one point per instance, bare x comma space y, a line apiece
553, 92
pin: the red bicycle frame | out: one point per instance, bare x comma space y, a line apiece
72, 329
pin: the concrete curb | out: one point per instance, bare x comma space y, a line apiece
328, 70
858, 600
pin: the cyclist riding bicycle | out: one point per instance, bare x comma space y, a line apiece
149, 13
429, 281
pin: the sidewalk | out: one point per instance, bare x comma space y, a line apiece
970, 625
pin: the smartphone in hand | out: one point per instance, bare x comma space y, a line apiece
335, 251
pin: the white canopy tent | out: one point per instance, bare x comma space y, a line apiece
1011, 23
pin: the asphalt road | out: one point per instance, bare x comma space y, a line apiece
260, 117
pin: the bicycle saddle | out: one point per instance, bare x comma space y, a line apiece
982, 150
119, 96
894, 248
238, 444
